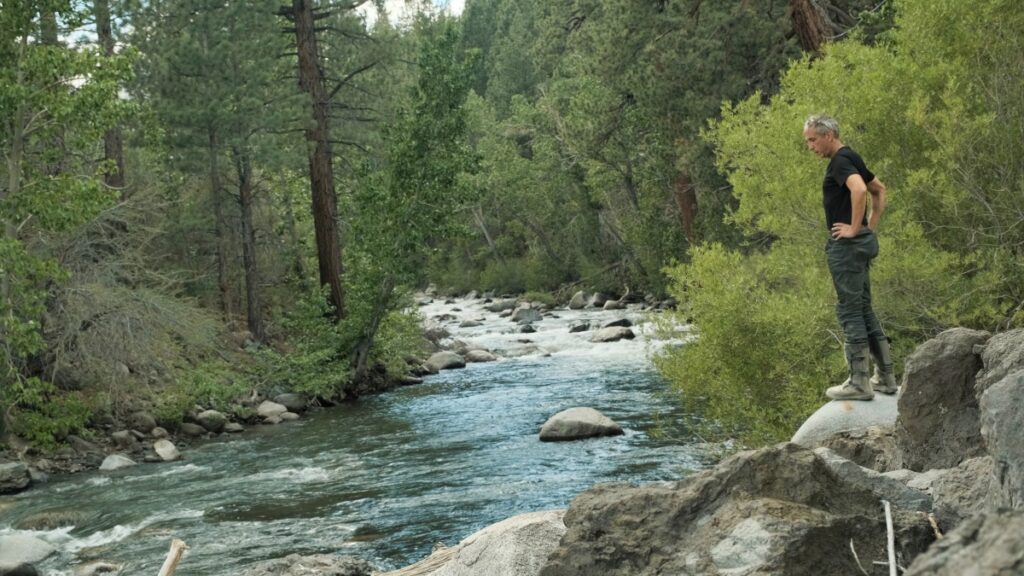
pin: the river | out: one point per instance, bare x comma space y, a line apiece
387, 477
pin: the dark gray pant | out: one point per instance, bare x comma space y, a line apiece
849, 262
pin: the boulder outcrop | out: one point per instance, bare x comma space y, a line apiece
578, 423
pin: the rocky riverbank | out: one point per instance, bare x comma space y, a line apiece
948, 475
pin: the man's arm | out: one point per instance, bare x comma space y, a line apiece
877, 190
858, 198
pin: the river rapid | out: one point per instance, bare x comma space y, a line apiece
387, 477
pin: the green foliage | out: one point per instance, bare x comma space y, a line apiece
313, 361
42, 415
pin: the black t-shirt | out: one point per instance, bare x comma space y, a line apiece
836, 196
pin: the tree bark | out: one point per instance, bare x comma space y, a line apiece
809, 24
686, 201
113, 150
220, 227
243, 167
321, 171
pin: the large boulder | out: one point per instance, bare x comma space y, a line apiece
14, 477
938, 424
838, 416
597, 300
124, 439
268, 409
116, 462
1003, 354
20, 551
517, 546
778, 510
985, 545
1002, 421
578, 301
293, 402
212, 420
166, 450
317, 564
577, 423
612, 334
445, 360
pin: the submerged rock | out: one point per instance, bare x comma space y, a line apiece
612, 334
578, 423
480, 356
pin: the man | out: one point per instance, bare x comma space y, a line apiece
851, 248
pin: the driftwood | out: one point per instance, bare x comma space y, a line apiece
890, 538
178, 548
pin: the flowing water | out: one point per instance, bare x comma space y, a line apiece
387, 477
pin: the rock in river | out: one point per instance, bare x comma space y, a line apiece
577, 423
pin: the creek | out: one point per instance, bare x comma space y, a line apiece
387, 477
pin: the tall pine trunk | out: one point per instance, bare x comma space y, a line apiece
113, 150
220, 227
321, 171
243, 167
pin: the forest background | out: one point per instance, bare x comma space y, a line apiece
201, 199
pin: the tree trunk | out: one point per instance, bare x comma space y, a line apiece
298, 268
686, 201
112, 147
220, 226
478, 215
809, 24
245, 192
321, 171
48, 36
360, 360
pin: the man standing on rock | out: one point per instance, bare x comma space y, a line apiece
851, 248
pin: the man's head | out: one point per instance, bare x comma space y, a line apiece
821, 133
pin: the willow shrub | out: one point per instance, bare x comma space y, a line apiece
928, 112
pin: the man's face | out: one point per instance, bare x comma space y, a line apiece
820, 144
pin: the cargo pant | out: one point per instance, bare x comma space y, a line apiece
849, 262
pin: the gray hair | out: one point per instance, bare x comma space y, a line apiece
822, 125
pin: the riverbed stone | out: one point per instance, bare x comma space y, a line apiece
267, 409
612, 334
613, 305
984, 545
166, 450
18, 550
526, 329
81, 445
446, 360
141, 421
289, 416
597, 300
526, 313
837, 416
293, 402
159, 433
577, 423
14, 477
470, 324
116, 462
233, 428
938, 424
623, 322
212, 420
192, 429
516, 546
578, 301
577, 327
124, 439
480, 356
501, 305
313, 565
